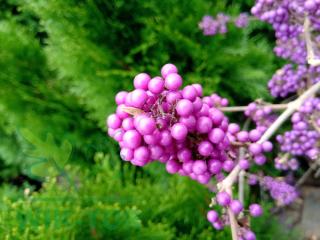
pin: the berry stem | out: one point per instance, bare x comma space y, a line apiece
233, 221
312, 60
305, 176
292, 106
242, 172
243, 108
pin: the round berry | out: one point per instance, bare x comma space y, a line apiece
167, 69
146, 125
138, 98
223, 199
255, 210
179, 131
132, 139
156, 85
255, 148
216, 135
126, 154
113, 121
184, 107
199, 167
204, 124
190, 93
236, 206
121, 97
173, 81
141, 81
212, 216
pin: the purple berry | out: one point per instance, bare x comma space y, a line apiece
236, 206
179, 131
173, 81
156, 85
167, 69
255, 210
205, 148
212, 216
223, 199
141, 81
199, 167
132, 139
184, 107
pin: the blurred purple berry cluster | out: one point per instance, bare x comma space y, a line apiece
211, 26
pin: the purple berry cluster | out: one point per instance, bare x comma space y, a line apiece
158, 121
261, 115
218, 221
211, 26
288, 80
304, 137
287, 19
280, 191
284, 163
178, 127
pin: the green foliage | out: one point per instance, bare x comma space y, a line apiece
101, 206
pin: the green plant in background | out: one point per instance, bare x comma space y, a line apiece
105, 208
48, 157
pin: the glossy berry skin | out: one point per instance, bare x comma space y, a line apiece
216, 135
212, 216
244, 164
205, 148
173, 81
199, 167
255, 148
138, 98
120, 98
113, 121
156, 85
132, 139
243, 136
223, 199
172, 167
218, 225
249, 235
255, 210
142, 154
126, 154
236, 206
204, 124
179, 131
267, 146
141, 81
184, 107
167, 69
214, 166
146, 126
190, 93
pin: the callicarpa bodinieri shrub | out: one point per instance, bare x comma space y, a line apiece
188, 132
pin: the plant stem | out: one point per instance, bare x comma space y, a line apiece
243, 108
232, 219
312, 60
